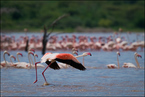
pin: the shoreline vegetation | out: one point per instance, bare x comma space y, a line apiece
83, 16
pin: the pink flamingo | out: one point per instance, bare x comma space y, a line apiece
13, 44
12, 64
130, 65
5, 63
32, 43
39, 44
83, 55
50, 60
38, 65
24, 64
113, 65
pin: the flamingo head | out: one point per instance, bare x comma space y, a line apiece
13, 57
87, 53
118, 53
74, 49
6, 52
125, 65
75, 52
31, 53
32, 50
138, 55
20, 54
36, 55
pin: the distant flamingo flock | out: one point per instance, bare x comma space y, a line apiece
110, 43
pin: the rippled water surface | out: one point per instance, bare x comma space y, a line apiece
96, 80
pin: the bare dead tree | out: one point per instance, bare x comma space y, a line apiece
26, 39
46, 35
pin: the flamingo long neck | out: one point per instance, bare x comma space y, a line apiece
5, 59
136, 61
118, 61
11, 60
34, 59
18, 58
29, 60
83, 60
79, 56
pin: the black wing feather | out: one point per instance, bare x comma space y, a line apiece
54, 65
72, 63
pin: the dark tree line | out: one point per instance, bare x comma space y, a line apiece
129, 14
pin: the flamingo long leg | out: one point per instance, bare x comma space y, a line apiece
44, 71
36, 71
83, 60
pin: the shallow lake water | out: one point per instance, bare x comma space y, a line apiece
96, 80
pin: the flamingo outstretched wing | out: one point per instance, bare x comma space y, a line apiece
72, 63
54, 65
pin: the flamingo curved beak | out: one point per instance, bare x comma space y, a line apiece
20, 54
76, 53
36, 55
8, 54
32, 53
139, 56
90, 54
14, 57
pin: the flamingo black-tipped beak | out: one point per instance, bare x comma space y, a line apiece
32, 53
139, 56
90, 54
14, 58
8, 54
21, 54
76, 53
36, 55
